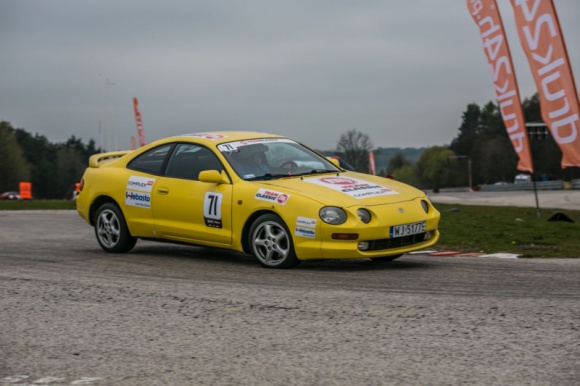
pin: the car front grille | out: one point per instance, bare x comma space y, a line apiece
397, 242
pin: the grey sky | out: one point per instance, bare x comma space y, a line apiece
401, 71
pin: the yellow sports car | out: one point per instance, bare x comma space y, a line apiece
256, 193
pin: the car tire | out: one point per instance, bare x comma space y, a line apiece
111, 230
385, 258
271, 243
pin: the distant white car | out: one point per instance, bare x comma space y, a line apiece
522, 178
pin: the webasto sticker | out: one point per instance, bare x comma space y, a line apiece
272, 196
142, 200
354, 187
305, 232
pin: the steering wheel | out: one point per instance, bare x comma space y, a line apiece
289, 164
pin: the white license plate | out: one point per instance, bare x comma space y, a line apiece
408, 229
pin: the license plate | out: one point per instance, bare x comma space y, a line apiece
408, 229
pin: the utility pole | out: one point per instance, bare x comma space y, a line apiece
469, 179
540, 131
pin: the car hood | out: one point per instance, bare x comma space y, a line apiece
345, 189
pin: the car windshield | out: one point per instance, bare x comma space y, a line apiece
268, 158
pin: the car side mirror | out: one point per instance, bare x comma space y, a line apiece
212, 177
335, 162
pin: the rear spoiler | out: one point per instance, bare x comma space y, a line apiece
97, 160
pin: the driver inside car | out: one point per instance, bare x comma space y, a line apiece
251, 161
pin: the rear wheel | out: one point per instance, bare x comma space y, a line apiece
385, 258
111, 230
271, 243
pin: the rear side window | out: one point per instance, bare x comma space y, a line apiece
151, 161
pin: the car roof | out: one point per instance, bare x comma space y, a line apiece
217, 137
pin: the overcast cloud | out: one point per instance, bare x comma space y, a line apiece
402, 72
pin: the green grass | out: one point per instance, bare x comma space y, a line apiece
463, 228
508, 229
36, 204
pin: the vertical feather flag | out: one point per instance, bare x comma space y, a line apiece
372, 168
139, 123
486, 15
542, 40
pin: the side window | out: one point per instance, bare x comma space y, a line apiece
188, 160
151, 161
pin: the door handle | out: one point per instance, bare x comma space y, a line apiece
162, 190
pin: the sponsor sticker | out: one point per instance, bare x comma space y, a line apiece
272, 196
305, 232
210, 136
354, 187
142, 200
234, 146
140, 184
306, 222
212, 209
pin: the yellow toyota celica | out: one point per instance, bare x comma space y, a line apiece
256, 193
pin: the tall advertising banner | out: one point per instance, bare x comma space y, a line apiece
139, 123
486, 15
543, 43
372, 167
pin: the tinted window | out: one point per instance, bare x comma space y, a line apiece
188, 160
151, 161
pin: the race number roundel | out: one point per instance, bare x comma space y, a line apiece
212, 209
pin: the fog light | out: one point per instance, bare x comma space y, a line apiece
363, 246
427, 235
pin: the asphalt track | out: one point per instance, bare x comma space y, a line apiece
173, 315
554, 199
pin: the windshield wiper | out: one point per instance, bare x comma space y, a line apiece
267, 176
270, 176
316, 171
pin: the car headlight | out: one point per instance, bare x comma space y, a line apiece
332, 215
364, 215
425, 206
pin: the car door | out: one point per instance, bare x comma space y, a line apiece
186, 209
138, 181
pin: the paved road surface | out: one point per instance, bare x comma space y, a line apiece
559, 199
174, 315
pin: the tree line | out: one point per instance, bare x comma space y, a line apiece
52, 168
480, 153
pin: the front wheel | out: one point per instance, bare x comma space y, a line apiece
271, 243
111, 230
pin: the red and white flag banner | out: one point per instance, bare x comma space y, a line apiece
486, 15
542, 40
372, 168
139, 123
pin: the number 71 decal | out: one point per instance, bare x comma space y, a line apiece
212, 209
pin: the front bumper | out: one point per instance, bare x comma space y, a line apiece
375, 234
